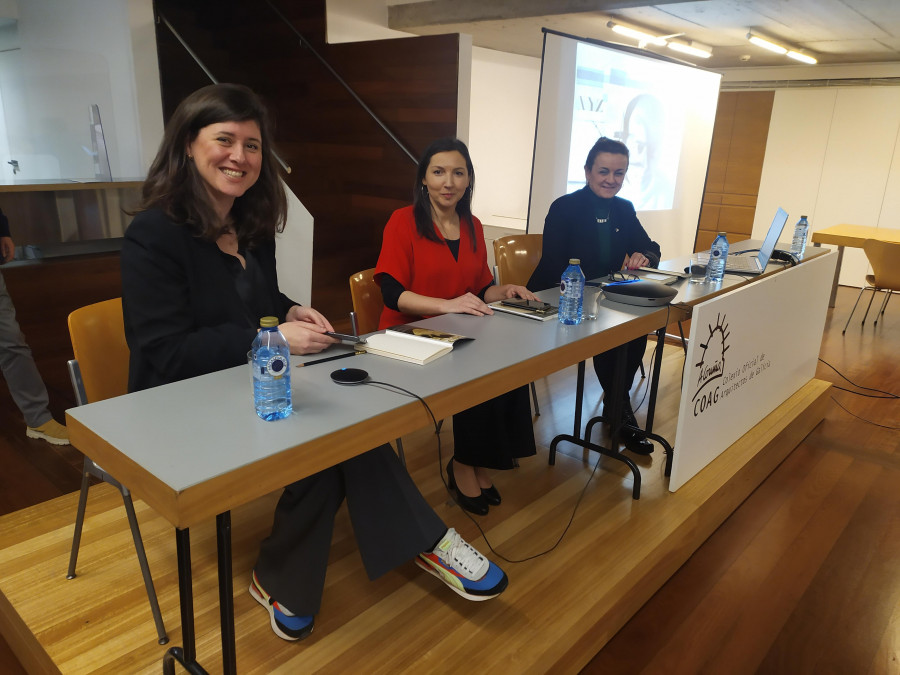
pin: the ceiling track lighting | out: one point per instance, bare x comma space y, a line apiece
778, 49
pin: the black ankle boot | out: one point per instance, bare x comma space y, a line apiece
477, 505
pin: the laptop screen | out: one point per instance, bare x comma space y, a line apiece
765, 251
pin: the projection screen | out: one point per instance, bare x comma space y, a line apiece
663, 110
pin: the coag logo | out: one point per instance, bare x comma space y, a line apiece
708, 372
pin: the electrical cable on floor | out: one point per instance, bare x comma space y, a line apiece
467, 514
863, 419
887, 395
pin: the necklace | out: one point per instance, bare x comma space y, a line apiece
604, 219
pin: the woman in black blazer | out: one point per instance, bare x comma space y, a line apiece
198, 272
603, 231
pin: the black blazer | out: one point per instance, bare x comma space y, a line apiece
183, 314
571, 231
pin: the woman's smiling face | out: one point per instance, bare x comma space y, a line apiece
228, 156
605, 177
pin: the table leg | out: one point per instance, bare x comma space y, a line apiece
615, 408
579, 397
654, 380
837, 274
187, 655
226, 592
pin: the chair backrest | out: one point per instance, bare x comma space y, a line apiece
98, 340
516, 256
884, 257
367, 302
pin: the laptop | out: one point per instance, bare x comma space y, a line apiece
745, 264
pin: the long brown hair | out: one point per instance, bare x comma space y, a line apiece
174, 185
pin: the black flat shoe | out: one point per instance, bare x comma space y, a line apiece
634, 441
477, 505
491, 495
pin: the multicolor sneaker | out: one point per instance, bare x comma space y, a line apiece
285, 624
50, 431
463, 569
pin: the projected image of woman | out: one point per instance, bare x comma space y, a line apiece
603, 231
648, 185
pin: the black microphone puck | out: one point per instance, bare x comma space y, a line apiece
349, 376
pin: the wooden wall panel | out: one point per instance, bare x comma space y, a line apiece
346, 170
736, 157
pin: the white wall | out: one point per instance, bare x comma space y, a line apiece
833, 154
501, 134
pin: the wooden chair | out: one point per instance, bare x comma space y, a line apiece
367, 303
516, 256
100, 371
884, 257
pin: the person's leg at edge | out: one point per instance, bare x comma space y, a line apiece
393, 523
22, 377
289, 575
604, 367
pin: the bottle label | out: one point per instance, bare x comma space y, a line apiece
276, 366
562, 287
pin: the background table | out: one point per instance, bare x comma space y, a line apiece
853, 236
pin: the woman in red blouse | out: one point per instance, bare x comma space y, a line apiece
434, 261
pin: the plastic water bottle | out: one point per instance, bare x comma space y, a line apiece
571, 293
718, 254
271, 362
798, 243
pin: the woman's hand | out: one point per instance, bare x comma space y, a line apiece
305, 330
634, 261
507, 291
465, 304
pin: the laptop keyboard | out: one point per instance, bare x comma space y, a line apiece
736, 263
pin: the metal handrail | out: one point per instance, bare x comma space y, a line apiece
305, 43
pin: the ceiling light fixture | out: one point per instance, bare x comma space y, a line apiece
690, 49
778, 49
642, 37
805, 58
765, 44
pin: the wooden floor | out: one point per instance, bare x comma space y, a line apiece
813, 544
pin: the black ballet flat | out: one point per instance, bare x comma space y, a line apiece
491, 495
477, 505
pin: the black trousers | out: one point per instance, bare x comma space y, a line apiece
605, 365
392, 521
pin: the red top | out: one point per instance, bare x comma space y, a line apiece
428, 267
